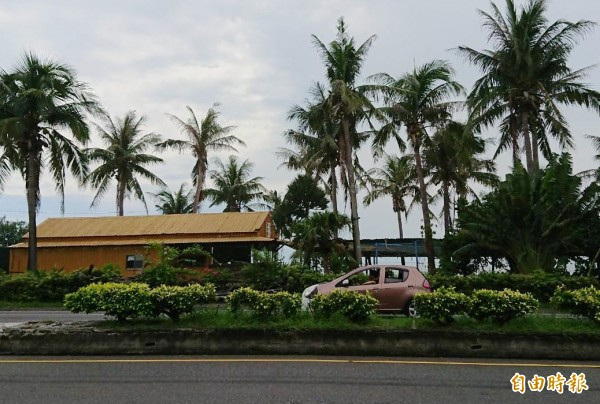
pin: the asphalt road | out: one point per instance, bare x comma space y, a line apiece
23, 316
280, 380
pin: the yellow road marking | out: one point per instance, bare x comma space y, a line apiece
293, 360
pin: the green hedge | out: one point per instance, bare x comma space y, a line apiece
54, 285
539, 285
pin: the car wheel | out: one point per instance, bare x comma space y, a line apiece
411, 310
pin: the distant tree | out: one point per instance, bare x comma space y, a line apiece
396, 180
170, 203
11, 232
123, 159
453, 158
204, 136
315, 237
40, 102
303, 195
234, 186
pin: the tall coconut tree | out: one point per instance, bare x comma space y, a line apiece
171, 203
204, 136
420, 100
343, 61
234, 186
526, 78
123, 159
453, 158
317, 140
41, 103
396, 179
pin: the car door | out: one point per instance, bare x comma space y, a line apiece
396, 288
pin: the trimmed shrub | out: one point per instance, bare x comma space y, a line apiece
357, 307
501, 306
582, 302
119, 300
264, 304
442, 305
289, 304
175, 301
242, 298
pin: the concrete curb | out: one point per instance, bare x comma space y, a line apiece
82, 339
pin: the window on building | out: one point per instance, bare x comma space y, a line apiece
134, 262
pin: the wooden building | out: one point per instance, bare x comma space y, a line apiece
75, 243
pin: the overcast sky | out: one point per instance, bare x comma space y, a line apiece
256, 59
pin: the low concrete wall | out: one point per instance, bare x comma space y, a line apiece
89, 341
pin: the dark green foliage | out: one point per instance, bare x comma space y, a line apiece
532, 219
268, 272
316, 238
11, 232
303, 195
54, 285
541, 285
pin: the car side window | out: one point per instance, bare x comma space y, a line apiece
395, 275
368, 276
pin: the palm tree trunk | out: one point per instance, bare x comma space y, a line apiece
534, 149
32, 185
527, 138
333, 196
199, 185
120, 197
514, 138
447, 217
424, 206
352, 189
400, 232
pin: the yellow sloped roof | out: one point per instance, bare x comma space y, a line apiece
214, 224
147, 241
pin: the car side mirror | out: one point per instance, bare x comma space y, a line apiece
345, 282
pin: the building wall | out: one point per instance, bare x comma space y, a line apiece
73, 258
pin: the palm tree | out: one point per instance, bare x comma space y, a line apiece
526, 78
452, 158
343, 61
417, 100
123, 159
317, 140
397, 180
203, 137
172, 203
233, 185
41, 101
